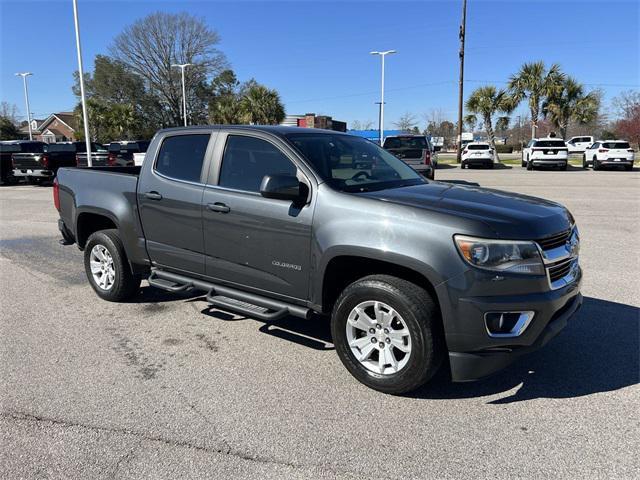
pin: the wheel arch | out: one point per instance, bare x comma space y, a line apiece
344, 268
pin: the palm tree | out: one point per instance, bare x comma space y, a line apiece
261, 106
571, 104
535, 83
486, 102
225, 110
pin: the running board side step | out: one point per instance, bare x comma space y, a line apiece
228, 298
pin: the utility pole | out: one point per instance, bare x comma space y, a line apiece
461, 81
182, 66
85, 115
24, 76
382, 55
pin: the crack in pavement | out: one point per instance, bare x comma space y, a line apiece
225, 450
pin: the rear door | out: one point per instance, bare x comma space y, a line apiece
170, 200
251, 240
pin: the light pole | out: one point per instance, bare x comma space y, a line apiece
182, 66
463, 27
85, 116
24, 76
382, 55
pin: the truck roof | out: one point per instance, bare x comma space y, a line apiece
279, 130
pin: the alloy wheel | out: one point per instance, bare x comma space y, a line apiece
378, 337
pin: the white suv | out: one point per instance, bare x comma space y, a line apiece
607, 153
477, 154
545, 152
579, 144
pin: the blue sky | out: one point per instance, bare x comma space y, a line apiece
316, 53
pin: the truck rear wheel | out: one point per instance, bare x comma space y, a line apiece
387, 333
107, 267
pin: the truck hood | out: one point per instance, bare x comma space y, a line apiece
509, 215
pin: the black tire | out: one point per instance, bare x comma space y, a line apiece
585, 165
490, 165
596, 166
529, 164
564, 167
421, 317
125, 284
628, 168
523, 164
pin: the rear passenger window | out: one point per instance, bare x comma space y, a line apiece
247, 160
181, 157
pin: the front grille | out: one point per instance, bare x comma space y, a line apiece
559, 269
554, 241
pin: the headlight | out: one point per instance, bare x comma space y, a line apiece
501, 255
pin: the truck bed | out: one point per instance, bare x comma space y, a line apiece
91, 190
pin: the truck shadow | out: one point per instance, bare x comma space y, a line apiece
599, 351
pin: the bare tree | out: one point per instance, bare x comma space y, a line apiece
406, 122
362, 125
151, 45
9, 111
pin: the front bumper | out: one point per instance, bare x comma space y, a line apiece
471, 366
29, 172
473, 353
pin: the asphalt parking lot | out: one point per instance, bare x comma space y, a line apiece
164, 387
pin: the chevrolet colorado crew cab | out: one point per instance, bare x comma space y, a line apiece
415, 275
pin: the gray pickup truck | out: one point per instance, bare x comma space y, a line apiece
274, 221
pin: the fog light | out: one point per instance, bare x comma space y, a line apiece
507, 324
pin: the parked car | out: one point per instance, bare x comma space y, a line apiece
609, 153
579, 144
272, 222
414, 150
545, 152
99, 155
7, 149
43, 165
121, 153
477, 154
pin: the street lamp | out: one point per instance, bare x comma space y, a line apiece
382, 55
85, 116
24, 76
182, 66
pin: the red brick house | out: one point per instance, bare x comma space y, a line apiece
57, 127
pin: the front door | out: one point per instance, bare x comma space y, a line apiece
170, 202
251, 240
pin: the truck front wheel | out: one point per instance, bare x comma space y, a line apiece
387, 333
107, 267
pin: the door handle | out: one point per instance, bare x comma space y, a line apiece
153, 196
218, 207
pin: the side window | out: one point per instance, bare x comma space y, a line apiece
246, 160
181, 157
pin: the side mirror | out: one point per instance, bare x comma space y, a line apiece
281, 187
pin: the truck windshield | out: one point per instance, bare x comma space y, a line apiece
353, 164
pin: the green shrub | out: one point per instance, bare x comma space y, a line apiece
504, 148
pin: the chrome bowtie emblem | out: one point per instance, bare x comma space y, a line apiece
573, 245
